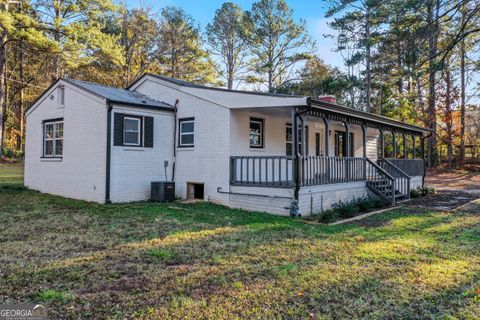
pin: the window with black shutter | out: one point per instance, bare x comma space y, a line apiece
132, 130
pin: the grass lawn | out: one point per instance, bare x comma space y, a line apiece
177, 261
11, 173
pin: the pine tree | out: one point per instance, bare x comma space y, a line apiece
277, 42
226, 36
180, 51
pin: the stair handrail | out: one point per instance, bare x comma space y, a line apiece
402, 185
395, 167
382, 171
385, 174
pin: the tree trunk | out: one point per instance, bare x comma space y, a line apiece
230, 63
432, 152
462, 90
3, 62
56, 35
448, 116
22, 98
368, 61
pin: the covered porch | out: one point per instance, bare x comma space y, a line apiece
332, 145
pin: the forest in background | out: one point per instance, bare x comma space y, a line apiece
416, 61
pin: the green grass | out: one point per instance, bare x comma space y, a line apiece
52, 295
199, 261
11, 174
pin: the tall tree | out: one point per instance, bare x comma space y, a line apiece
138, 38
180, 49
78, 27
277, 41
359, 26
316, 78
17, 23
226, 38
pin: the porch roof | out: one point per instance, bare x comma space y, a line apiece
336, 112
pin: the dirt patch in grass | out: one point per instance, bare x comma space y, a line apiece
443, 200
467, 178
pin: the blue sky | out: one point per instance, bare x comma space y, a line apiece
312, 11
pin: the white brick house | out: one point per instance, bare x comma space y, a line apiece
237, 148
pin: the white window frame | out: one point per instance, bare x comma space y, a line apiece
54, 138
181, 134
138, 131
260, 134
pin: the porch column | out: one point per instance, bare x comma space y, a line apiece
404, 145
294, 145
327, 148
394, 142
302, 138
382, 143
414, 147
303, 148
327, 137
347, 151
422, 147
364, 139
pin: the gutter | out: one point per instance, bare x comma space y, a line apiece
109, 153
148, 106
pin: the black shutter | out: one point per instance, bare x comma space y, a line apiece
118, 129
148, 132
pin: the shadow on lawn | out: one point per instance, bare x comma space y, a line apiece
216, 260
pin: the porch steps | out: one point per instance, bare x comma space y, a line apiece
383, 188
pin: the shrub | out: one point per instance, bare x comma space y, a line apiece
415, 193
351, 208
328, 216
380, 202
421, 192
365, 204
11, 153
346, 209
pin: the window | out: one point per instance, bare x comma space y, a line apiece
61, 96
53, 138
131, 131
288, 138
186, 132
341, 145
256, 133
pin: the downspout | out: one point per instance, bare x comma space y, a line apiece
174, 138
109, 152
